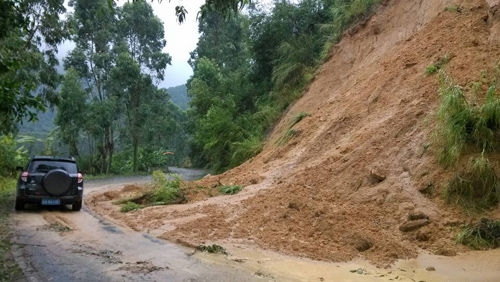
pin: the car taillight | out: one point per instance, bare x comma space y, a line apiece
80, 178
24, 176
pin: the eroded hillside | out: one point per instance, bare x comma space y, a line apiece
360, 165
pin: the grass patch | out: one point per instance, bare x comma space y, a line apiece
213, 249
130, 206
9, 270
464, 124
439, 64
287, 136
477, 188
484, 234
230, 189
472, 128
297, 118
454, 8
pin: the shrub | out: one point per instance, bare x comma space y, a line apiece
432, 69
439, 64
166, 191
130, 206
484, 234
476, 188
230, 189
245, 149
159, 179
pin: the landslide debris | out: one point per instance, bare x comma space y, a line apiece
362, 177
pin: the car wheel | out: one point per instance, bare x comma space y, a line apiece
77, 206
19, 205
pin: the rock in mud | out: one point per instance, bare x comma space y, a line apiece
363, 244
377, 175
413, 225
430, 268
415, 215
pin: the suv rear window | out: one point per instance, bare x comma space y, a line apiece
44, 166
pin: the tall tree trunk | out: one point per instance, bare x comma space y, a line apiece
73, 149
135, 145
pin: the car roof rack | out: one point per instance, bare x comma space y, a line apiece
55, 158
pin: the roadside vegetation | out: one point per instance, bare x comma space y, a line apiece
162, 191
239, 90
468, 135
9, 270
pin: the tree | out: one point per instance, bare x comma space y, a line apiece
28, 78
94, 25
129, 86
71, 108
140, 41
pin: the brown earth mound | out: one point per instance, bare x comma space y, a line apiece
359, 178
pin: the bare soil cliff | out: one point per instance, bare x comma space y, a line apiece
363, 163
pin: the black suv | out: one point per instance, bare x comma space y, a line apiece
50, 181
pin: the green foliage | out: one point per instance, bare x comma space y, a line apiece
247, 70
431, 69
476, 188
482, 235
9, 270
11, 156
230, 189
472, 128
30, 33
179, 96
287, 136
130, 206
166, 191
298, 118
435, 67
464, 124
71, 110
213, 249
159, 179
454, 8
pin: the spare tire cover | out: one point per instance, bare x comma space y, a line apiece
56, 182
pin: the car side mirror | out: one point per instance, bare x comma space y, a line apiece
19, 168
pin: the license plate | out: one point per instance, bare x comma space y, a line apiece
51, 202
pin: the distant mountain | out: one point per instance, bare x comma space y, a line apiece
179, 96
41, 127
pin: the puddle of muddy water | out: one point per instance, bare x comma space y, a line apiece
471, 266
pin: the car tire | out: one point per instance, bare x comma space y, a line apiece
76, 206
19, 205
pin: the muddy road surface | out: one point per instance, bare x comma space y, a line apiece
56, 244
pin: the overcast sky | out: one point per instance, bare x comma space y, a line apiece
181, 38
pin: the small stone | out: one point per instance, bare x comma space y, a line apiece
430, 268
445, 252
417, 215
377, 175
413, 225
293, 205
363, 244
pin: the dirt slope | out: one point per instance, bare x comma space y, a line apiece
360, 165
